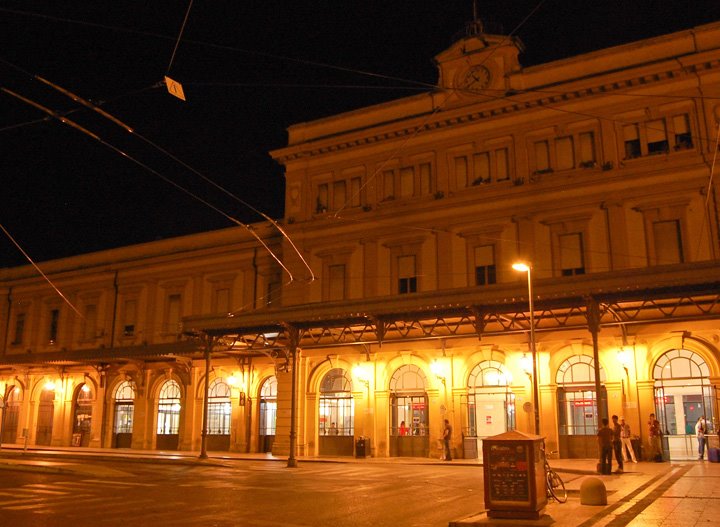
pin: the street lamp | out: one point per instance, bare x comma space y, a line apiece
527, 268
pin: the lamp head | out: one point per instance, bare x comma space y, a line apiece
523, 267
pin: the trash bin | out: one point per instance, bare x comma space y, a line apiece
361, 447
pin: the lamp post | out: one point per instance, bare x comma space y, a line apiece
527, 268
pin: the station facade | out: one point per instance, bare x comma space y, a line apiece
385, 300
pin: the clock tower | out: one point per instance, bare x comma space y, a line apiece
478, 62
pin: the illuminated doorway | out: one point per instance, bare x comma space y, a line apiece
683, 394
336, 431
13, 400
46, 412
578, 407
409, 431
489, 406
82, 416
268, 413
124, 413
168, 422
219, 416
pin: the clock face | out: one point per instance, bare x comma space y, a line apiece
475, 79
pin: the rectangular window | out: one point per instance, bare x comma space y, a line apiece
425, 179
90, 322
656, 137
19, 329
631, 136
542, 156
336, 285
681, 131
129, 318
668, 242
389, 184
407, 182
502, 164
53, 325
565, 153
339, 195
481, 168
485, 265
222, 301
587, 148
571, 254
174, 313
407, 275
355, 190
461, 172
322, 199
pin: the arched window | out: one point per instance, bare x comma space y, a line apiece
169, 408
490, 402
124, 397
219, 408
268, 413
578, 406
683, 394
409, 434
336, 404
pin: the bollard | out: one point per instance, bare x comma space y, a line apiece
593, 492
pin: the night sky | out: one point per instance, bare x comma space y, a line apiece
249, 69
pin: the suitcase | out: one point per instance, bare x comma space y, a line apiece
714, 455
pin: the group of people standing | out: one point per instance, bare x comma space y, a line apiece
617, 439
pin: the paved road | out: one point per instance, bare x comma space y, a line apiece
247, 493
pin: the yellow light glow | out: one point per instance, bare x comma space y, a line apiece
233, 381
50, 385
361, 373
521, 266
526, 364
623, 357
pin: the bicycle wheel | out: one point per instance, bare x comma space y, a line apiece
556, 486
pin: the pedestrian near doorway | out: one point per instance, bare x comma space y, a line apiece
605, 446
447, 437
626, 438
655, 439
617, 444
700, 431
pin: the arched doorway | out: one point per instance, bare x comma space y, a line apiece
124, 398
13, 401
219, 415
82, 416
683, 393
268, 413
337, 415
489, 405
578, 407
168, 422
46, 412
409, 430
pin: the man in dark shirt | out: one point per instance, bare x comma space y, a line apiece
617, 443
605, 438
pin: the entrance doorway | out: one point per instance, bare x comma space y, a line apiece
578, 407
168, 423
336, 431
409, 430
124, 412
46, 412
683, 394
13, 400
268, 413
219, 415
82, 416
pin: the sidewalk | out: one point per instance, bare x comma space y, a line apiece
683, 493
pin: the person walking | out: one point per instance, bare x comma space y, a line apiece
617, 444
655, 439
700, 431
626, 439
605, 445
447, 437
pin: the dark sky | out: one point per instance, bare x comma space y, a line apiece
250, 69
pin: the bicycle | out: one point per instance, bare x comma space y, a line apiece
554, 484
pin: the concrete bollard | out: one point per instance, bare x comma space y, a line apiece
593, 492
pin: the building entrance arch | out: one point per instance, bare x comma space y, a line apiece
124, 398
168, 416
46, 413
683, 394
219, 415
409, 427
336, 426
268, 413
82, 415
11, 413
578, 407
